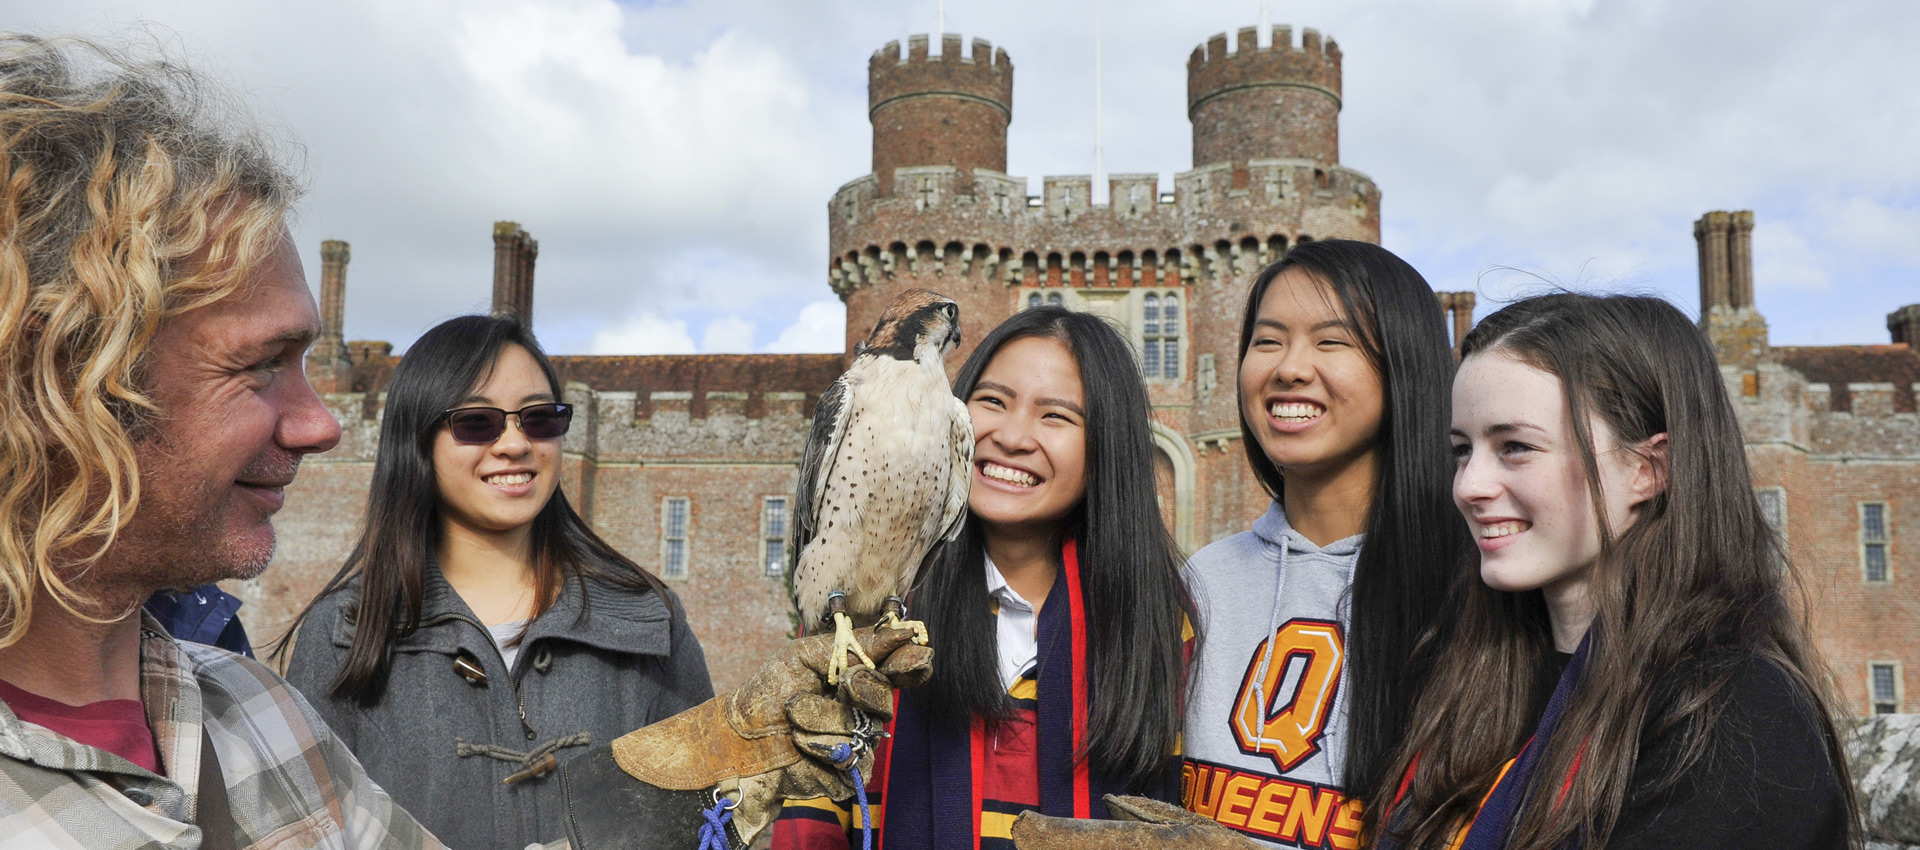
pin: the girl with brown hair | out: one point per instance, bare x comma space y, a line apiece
1629, 670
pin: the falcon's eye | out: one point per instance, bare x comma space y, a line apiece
952, 310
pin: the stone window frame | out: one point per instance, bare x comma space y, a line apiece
1888, 703
1779, 493
1874, 541
670, 565
1160, 335
1052, 299
1127, 309
773, 535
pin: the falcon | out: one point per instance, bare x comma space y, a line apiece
884, 477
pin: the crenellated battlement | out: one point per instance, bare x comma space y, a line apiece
985, 74
1780, 405
1214, 70
1216, 221
1862, 420
629, 426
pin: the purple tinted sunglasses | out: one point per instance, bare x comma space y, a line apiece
481, 425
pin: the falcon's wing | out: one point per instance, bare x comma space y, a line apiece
959, 471
816, 468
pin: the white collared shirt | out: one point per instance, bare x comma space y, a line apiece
1015, 630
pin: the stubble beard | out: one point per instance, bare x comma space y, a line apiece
186, 536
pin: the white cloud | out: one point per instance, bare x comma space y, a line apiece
674, 156
1782, 259
727, 335
648, 333
1870, 225
821, 329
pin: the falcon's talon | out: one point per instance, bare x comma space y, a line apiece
892, 621
843, 643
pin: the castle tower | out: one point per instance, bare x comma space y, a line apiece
952, 109
1170, 269
328, 366
514, 251
1279, 102
1727, 314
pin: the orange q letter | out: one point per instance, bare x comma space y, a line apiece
1291, 729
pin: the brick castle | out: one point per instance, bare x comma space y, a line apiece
688, 463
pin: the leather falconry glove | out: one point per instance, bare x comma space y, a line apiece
1140, 822
772, 739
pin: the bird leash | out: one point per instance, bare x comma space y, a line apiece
713, 833
847, 757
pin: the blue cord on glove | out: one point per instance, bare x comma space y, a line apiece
713, 833
844, 753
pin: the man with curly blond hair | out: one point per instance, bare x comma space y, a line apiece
154, 319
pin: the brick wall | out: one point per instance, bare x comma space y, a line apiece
1827, 461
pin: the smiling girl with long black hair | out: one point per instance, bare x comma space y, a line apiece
1057, 616
480, 632
1313, 616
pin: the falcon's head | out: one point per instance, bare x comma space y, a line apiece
918, 325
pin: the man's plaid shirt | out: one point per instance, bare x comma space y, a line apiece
291, 783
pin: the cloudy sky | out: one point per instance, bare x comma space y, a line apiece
675, 158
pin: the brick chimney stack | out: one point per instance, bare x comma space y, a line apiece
1904, 324
1727, 313
1458, 306
1740, 259
513, 255
328, 367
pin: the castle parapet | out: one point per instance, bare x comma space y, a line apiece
1871, 399
1216, 220
1862, 419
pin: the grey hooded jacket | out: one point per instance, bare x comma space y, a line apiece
601, 662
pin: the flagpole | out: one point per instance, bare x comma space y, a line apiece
1099, 166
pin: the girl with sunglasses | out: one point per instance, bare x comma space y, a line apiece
1631, 669
1057, 615
480, 629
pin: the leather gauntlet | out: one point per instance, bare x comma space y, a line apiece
771, 739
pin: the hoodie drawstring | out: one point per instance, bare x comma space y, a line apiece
1266, 658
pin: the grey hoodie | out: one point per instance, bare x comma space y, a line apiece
1266, 729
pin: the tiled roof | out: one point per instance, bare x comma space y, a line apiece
1840, 365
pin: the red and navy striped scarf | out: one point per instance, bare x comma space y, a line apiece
1500, 809
934, 771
